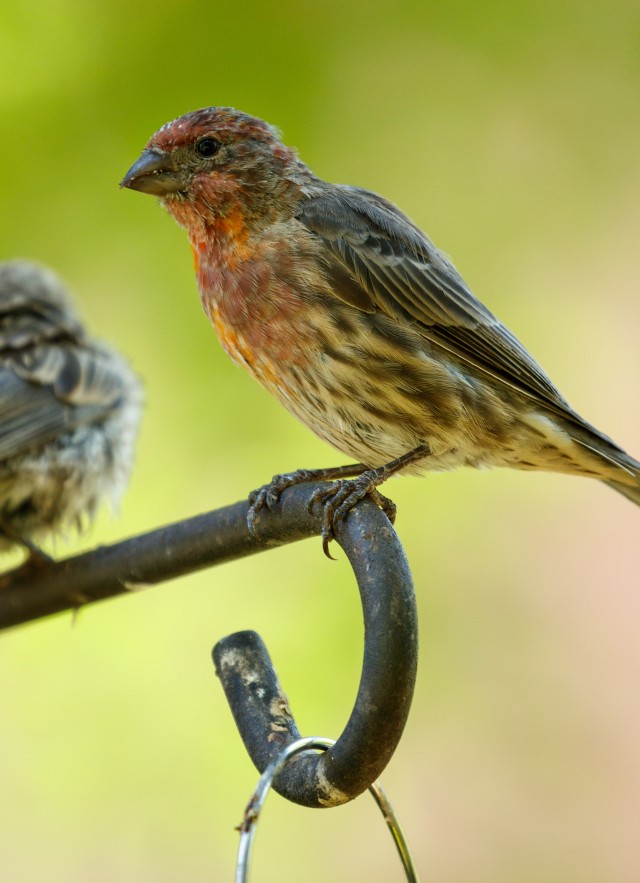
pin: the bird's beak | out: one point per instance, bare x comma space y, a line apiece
153, 173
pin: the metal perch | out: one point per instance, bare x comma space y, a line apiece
390, 654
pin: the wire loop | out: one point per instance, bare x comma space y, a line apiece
254, 808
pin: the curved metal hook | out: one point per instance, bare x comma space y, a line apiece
261, 710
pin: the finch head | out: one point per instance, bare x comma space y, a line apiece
207, 161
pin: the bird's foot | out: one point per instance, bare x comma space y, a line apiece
35, 557
338, 500
267, 496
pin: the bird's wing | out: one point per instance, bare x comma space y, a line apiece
379, 260
54, 388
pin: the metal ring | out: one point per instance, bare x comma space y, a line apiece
254, 807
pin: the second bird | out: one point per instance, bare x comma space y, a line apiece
346, 311
69, 411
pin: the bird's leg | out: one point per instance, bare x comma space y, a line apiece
340, 498
266, 497
35, 556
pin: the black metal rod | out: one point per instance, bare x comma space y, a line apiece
372, 733
41, 588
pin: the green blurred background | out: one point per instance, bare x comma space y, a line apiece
511, 133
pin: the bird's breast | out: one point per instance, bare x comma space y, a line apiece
257, 312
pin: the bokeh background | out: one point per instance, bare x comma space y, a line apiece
511, 133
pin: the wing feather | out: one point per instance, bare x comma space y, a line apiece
400, 272
54, 388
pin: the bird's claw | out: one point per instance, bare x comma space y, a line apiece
267, 496
340, 497
35, 556
337, 499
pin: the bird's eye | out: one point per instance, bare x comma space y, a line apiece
207, 147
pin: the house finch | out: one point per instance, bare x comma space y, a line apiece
344, 309
69, 410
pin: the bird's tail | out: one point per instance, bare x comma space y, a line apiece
631, 492
618, 469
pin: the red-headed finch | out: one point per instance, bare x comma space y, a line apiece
345, 310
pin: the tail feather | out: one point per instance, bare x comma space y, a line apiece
624, 477
631, 492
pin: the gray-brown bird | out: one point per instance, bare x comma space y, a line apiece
346, 311
69, 411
